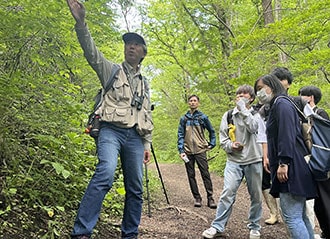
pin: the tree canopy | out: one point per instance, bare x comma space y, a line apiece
200, 47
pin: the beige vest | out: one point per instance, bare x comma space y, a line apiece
116, 107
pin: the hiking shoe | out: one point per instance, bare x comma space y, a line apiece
323, 236
81, 237
211, 203
211, 233
198, 202
254, 234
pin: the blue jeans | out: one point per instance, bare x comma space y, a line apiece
294, 214
234, 174
114, 141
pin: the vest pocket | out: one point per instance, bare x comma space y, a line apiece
145, 124
116, 115
121, 90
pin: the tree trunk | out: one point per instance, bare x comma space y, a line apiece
278, 16
268, 11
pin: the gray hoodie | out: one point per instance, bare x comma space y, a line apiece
246, 131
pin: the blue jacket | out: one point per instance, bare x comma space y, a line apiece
285, 145
191, 138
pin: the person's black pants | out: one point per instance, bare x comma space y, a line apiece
266, 180
203, 166
322, 207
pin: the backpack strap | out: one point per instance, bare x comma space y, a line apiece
231, 126
230, 117
114, 71
317, 110
301, 114
200, 121
100, 96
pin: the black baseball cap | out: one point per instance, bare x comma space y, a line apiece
132, 36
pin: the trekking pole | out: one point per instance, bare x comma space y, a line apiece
147, 186
160, 175
212, 157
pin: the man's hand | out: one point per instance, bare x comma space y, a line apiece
241, 103
78, 12
266, 164
147, 156
282, 173
237, 146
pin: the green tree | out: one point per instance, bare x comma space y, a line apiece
199, 47
210, 48
47, 88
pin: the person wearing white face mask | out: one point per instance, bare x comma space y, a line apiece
244, 160
313, 95
291, 178
286, 79
264, 96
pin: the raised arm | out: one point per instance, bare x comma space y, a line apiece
78, 12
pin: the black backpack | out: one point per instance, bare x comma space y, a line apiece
316, 134
93, 124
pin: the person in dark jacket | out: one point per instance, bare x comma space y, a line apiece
313, 95
193, 145
292, 180
286, 78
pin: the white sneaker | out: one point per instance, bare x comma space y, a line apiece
211, 233
254, 234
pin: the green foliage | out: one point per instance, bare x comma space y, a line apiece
206, 48
46, 92
210, 48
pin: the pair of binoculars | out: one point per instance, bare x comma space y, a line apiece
137, 101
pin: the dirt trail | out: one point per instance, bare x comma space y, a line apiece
181, 220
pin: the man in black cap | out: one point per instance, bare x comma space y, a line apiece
125, 130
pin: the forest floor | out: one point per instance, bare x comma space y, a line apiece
181, 220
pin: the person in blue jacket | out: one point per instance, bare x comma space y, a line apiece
193, 145
292, 180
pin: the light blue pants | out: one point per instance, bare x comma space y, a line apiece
234, 174
294, 214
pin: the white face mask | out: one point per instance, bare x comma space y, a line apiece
263, 96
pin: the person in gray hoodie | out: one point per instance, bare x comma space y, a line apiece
244, 160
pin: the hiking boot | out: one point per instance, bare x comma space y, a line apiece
254, 234
198, 202
211, 203
323, 236
211, 233
133, 237
81, 237
272, 206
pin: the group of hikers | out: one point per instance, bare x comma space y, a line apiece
261, 145
265, 146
